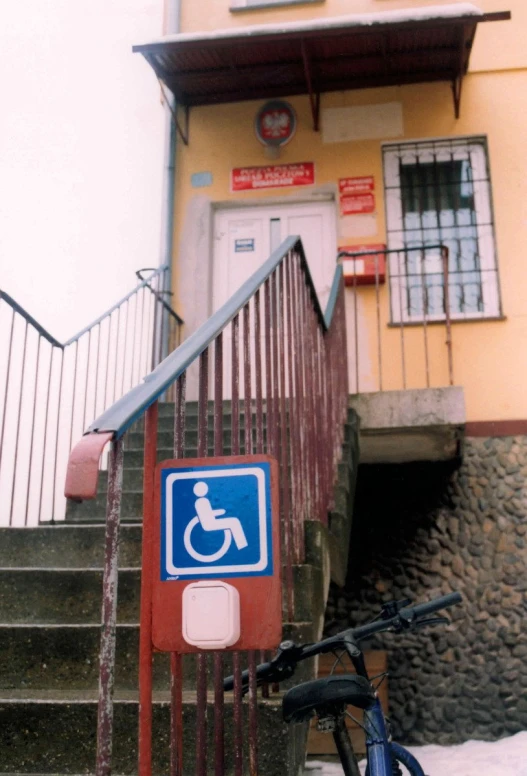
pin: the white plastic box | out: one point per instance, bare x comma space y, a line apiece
211, 614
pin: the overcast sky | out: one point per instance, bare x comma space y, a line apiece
81, 155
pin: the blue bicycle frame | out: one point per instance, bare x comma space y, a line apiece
380, 750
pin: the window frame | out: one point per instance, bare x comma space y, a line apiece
474, 148
238, 6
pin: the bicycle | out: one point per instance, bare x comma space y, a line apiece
328, 698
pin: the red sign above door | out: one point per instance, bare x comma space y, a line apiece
273, 176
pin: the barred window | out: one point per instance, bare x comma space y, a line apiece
438, 193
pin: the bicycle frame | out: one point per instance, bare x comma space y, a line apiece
380, 750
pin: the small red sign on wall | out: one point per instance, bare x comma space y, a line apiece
360, 185
352, 204
273, 176
356, 195
364, 270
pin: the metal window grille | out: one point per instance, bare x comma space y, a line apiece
439, 193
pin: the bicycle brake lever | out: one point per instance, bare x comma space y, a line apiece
431, 621
392, 608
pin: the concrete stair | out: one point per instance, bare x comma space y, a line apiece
50, 595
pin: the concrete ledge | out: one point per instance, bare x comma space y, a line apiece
414, 408
413, 425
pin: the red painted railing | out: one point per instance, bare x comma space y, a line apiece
272, 378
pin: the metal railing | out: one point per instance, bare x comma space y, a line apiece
282, 365
49, 389
402, 285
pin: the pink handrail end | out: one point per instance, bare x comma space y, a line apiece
83, 466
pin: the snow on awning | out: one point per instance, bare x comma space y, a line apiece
320, 55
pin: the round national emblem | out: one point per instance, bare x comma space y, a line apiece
275, 123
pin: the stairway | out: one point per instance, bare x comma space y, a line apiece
50, 597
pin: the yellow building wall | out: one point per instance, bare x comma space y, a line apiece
489, 357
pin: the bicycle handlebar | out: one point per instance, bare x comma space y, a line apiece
421, 610
283, 665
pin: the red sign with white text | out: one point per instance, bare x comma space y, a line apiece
364, 270
360, 185
273, 176
352, 204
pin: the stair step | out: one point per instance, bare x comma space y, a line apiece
132, 479
135, 437
166, 422
66, 546
135, 440
56, 732
51, 658
133, 459
66, 657
69, 596
95, 510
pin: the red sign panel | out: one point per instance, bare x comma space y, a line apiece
217, 529
360, 185
353, 204
273, 176
364, 270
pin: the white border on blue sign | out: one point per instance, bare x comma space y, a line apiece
262, 522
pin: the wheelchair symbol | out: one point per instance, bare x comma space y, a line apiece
210, 520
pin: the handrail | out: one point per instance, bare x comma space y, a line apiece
49, 390
118, 418
29, 318
333, 296
398, 275
162, 268
272, 380
51, 339
158, 294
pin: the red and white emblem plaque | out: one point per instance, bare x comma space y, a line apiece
275, 123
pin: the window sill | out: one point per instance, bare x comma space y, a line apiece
266, 5
490, 319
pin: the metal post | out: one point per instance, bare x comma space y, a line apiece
109, 613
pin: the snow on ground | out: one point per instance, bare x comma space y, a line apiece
507, 757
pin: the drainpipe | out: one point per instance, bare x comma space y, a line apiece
172, 26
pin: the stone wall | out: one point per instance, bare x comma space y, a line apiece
423, 530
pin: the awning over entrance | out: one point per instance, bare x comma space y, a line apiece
320, 55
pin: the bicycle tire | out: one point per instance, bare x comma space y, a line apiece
404, 757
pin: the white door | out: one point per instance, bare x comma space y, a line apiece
244, 238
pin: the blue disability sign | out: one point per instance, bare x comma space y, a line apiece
216, 522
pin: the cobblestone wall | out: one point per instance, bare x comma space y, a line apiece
423, 530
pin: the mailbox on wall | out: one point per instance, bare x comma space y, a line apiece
367, 269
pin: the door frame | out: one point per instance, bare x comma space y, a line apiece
194, 251
312, 198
